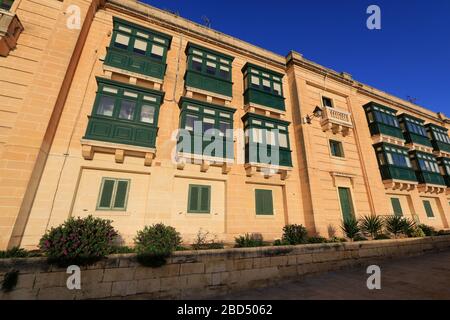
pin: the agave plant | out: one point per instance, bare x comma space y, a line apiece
372, 225
351, 228
398, 225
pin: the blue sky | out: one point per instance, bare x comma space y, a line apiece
409, 56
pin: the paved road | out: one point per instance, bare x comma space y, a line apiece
421, 277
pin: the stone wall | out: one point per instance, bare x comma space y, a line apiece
197, 274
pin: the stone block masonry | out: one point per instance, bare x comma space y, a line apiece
203, 274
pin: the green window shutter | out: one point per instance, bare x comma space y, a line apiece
263, 202
346, 203
336, 149
193, 198
397, 207
199, 199
205, 199
121, 194
106, 194
428, 209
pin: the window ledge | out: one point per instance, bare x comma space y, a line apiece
419, 147
431, 188
401, 185
251, 107
108, 70
267, 170
204, 161
441, 154
209, 95
10, 30
388, 139
90, 147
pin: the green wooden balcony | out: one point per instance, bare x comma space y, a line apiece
121, 131
227, 151
126, 60
201, 81
390, 172
6, 4
440, 146
377, 128
253, 154
252, 95
430, 177
411, 137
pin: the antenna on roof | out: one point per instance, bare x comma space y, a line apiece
411, 99
206, 21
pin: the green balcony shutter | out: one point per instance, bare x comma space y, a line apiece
106, 194
205, 199
346, 203
397, 207
121, 194
428, 209
263, 202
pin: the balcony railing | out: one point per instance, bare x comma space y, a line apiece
254, 96
336, 120
208, 83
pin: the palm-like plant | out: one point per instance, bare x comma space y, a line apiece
398, 225
350, 227
372, 225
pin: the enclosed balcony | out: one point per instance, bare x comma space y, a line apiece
444, 166
267, 146
209, 72
439, 139
338, 121
263, 89
383, 124
395, 167
137, 51
428, 172
206, 135
124, 121
415, 133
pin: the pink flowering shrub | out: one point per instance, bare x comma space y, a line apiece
79, 241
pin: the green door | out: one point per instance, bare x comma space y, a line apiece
345, 198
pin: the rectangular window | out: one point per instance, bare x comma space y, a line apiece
113, 194
256, 78
264, 202
199, 199
345, 199
337, 149
327, 102
397, 207
127, 110
428, 209
148, 114
105, 106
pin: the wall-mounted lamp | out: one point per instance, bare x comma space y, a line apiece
317, 113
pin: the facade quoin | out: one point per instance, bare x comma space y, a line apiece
110, 120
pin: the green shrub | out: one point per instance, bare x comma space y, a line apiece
351, 228
249, 240
336, 240
317, 240
80, 241
382, 236
416, 232
155, 243
428, 230
203, 241
372, 225
10, 280
294, 234
359, 237
15, 252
